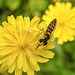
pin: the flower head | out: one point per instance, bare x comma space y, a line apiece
65, 15
18, 41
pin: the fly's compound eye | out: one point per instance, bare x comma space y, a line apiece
41, 40
45, 43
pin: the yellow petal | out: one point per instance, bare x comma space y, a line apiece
71, 25
19, 22
11, 20
30, 71
46, 53
70, 38
35, 67
31, 57
51, 45
51, 8
69, 34
18, 71
64, 36
57, 32
34, 22
12, 67
6, 51
5, 24
46, 18
60, 40
47, 12
70, 31
8, 36
3, 68
20, 60
41, 59
26, 23
68, 5
3, 59
12, 58
8, 26
25, 63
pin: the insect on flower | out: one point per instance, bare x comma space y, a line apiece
48, 33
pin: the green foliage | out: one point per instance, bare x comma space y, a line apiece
1, 3
37, 6
12, 4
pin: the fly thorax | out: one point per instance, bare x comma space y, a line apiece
47, 37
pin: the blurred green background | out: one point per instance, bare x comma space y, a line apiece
64, 61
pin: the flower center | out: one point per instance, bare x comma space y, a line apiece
22, 47
61, 24
26, 41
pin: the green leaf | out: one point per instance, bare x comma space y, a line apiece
1, 3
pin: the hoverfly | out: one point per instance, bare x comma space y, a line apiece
48, 33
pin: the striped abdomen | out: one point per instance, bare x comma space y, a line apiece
51, 26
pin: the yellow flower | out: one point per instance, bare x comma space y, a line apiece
65, 15
18, 42
56, 0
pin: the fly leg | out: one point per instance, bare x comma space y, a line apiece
40, 29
